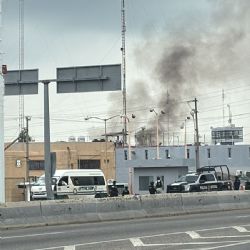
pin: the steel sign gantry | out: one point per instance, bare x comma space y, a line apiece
69, 80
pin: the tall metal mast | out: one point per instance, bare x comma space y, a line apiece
124, 91
223, 111
2, 165
21, 61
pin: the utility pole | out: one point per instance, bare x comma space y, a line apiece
2, 165
197, 143
28, 118
47, 156
168, 115
21, 61
124, 91
223, 112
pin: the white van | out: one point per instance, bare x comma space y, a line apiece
38, 188
83, 182
76, 181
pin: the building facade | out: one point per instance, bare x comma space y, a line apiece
138, 167
68, 155
174, 161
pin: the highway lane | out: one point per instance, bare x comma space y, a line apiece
223, 230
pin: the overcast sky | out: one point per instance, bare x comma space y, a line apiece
187, 49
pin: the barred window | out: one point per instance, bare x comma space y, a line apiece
36, 165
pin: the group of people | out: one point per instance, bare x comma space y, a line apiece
156, 187
114, 190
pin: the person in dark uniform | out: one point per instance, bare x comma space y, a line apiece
114, 190
151, 188
158, 185
125, 191
236, 183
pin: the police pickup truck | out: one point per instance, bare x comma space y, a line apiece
209, 178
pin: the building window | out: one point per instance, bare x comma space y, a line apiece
36, 165
125, 155
188, 153
146, 154
229, 150
208, 153
89, 164
167, 154
144, 182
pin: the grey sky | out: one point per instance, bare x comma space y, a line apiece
61, 33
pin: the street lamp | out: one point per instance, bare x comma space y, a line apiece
157, 131
105, 131
185, 135
194, 114
129, 134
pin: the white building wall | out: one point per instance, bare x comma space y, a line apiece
239, 160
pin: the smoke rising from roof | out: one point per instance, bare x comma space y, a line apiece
182, 63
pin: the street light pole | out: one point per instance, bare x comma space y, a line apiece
28, 118
106, 144
157, 132
194, 114
129, 137
185, 136
105, 132
157, 138
197, 136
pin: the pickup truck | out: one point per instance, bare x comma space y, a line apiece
205, 179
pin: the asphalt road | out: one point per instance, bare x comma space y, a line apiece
223, 230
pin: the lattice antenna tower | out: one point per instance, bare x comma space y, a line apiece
21, 60
123, 49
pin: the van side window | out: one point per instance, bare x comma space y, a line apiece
87, 180
63, 181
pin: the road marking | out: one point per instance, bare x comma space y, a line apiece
241, 229
30, 235
224, 246
69, 248
136, 242
193, 235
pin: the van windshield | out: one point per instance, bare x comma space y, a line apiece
41, 181
87, 180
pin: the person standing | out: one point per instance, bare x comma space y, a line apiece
236, 183
151, 188
158, 185
114, 190
125, 191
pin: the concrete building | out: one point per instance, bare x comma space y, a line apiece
69, 155
138, 172
174, 162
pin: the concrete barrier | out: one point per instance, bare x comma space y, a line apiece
55, 212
